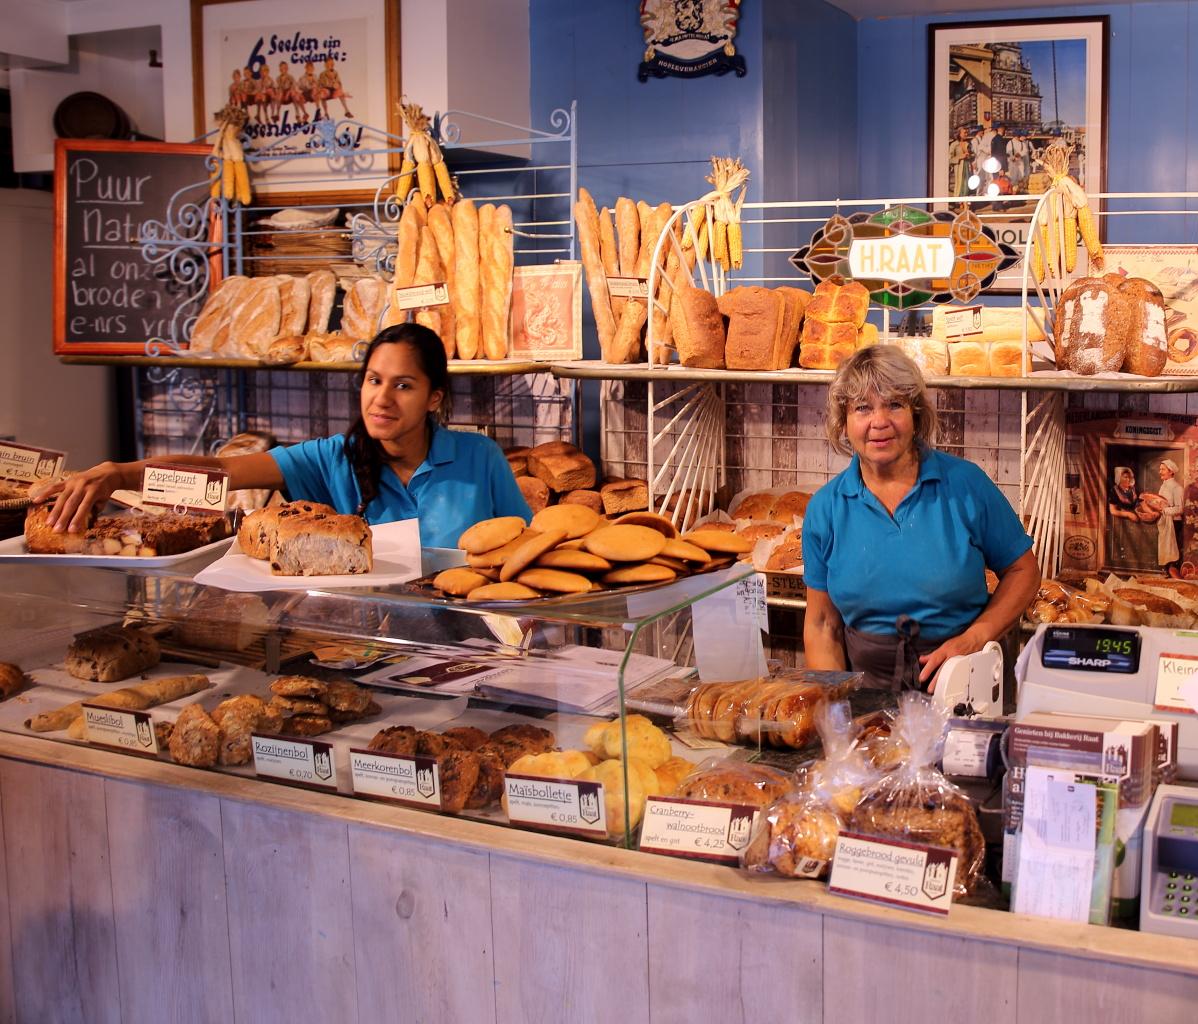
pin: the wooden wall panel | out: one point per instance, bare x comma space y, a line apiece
874, 971
1054, 987
715, 958
422, 929
168, 891
8, 1009
60, 895
290, 920
568, 945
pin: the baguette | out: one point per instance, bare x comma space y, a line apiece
442, 228
628, 246
430, 271
607, 243
465, 292
131, 698
407, 256
496, 249
587, 220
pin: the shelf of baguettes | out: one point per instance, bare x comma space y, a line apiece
457, 367
967, 923
593, 369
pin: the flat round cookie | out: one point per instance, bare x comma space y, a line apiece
676, 564
529, 552
503, 592
684, 551
491, 534
625, 543
573, 560
557, 580
458, 582
717, 540
650, 519
494, 558
576, 520
646, 572
571, 545
298, 686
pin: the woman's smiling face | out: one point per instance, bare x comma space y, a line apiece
397, 396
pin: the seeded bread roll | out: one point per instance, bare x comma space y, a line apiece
111, 655
321, 545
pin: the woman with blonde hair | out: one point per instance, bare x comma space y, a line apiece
895, 547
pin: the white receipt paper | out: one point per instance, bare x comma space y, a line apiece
1056, 846
727, 629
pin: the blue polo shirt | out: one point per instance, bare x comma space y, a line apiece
464, 478
927, 561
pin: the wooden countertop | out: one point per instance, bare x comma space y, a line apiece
1087, 941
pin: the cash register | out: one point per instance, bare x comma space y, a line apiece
1116, 672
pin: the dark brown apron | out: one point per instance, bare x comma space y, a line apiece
889, 661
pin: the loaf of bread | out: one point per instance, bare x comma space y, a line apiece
322, 292
216, 314
109, 655
257, 530
969, 359
824, 345
1006, 359
536, 492
1146, 348
561, 466
930, 355
697, 327
838, 302
796, 306
363, 304
42, 539
496, 260
331, 348
1091, 328
286, 350
584, 496
466, 296
1145, 599
987, 324
622, 496
321, 545
135, 698
756, 320
294, 296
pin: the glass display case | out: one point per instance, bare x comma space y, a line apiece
516, 713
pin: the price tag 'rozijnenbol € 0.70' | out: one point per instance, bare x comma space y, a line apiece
300, 762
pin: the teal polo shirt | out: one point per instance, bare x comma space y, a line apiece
464, 478
927, 561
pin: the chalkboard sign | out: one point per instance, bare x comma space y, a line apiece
108, 297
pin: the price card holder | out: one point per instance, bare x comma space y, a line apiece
129, 731
714, 832
184, 488
28, 465
890, 871
412, 781
628, 287
421, 296
963, 322
567, 806
299, 762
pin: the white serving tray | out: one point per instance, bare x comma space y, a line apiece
12, 551
396, 548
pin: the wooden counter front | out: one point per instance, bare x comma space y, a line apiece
144, 891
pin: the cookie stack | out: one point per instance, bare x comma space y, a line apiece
571, 549
310, 707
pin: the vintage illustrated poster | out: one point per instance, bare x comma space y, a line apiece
547, 312
1174, 270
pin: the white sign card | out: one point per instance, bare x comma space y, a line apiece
184, 488
128, 731
25, 464
300, 762
414, 781
727, 629
901, 874
1177, 684
628, 287
695, 829
421, 296
570, 806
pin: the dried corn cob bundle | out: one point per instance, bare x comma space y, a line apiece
1065, 214
726, 242
230, 178
423, 156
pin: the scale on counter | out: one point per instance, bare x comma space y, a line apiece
1115, 672
1169, 883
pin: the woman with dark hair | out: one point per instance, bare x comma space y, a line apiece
397, 460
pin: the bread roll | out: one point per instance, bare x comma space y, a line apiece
466, 295
322, 292
698, 328
1092, 324
496, 254
825, 345
836, 301
442, 228
969, 359
286, 350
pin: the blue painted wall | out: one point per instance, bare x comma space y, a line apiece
1152, 116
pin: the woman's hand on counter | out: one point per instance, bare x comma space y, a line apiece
77, 494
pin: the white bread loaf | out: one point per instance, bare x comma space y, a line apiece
294, 295
969, 359
929, 355
254, 323
989, 324
363, 304
321, 545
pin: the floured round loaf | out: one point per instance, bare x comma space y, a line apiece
1092, 325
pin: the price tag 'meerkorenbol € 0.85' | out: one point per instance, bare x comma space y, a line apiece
300, 762
414, 781
901, 874
571, 806
184, 488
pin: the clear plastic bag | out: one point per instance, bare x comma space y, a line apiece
915, 802
797, 836
737, 782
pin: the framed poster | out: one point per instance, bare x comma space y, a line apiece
997, 91
309, 75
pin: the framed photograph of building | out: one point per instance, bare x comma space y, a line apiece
312, 77
999, 91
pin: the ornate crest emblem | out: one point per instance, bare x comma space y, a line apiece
689, 38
